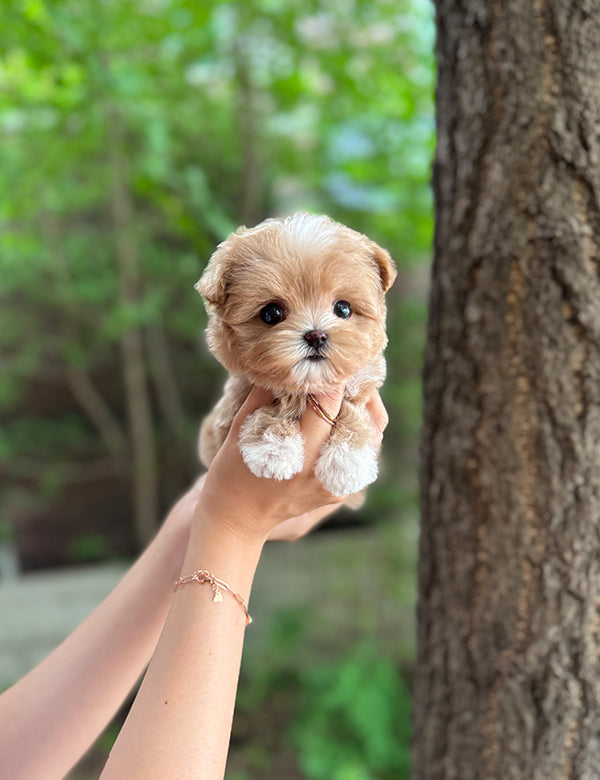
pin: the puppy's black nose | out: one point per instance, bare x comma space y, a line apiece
315, 338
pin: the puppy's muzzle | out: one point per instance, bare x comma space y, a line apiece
317, 341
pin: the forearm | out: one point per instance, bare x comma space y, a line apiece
51, 716
180, 723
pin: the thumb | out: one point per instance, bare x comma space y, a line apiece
317, 421
257, 397
327, 404
331, 399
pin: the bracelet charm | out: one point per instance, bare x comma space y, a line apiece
204, 577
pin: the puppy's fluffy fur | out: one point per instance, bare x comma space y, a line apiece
295, 305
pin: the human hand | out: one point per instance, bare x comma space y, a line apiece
251, 506
296, 527
269, 508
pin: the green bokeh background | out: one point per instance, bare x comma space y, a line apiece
160, 126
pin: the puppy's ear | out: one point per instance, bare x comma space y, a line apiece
213, 282
387, 267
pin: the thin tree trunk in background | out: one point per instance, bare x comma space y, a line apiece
139, 406
84, 390
93, 404
250, 206
508, 671
163, 379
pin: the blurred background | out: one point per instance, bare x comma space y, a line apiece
133, 138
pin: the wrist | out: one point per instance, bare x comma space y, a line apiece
230, 553
233, 516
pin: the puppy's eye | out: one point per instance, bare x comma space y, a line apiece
272, 314
342, 309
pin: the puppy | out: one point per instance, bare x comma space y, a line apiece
295, 305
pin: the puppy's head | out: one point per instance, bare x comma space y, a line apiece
297, 304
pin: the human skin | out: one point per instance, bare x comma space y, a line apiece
180, 722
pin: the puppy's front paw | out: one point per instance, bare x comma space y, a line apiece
343, 470
270, 455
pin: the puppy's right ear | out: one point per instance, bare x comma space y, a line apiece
212, 285
214, 282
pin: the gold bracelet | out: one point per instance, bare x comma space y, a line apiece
318, 409
202, 576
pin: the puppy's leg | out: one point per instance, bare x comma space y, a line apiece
271, 442
216, 425
348, 460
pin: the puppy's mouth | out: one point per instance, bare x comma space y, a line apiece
316, 357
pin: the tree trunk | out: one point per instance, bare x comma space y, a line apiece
508, 672
87, 395
144, 467
250, 194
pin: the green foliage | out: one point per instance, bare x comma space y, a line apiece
346, 717
6, 531
354, 720
16, 435
88, 547
150, 130
287, 631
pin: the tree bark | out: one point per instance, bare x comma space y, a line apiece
508, 670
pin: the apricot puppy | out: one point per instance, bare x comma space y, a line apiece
295, 305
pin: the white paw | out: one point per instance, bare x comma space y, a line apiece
344, 471
272, 456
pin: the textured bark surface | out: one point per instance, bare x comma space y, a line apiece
508, 677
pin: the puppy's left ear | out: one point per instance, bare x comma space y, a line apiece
387, 267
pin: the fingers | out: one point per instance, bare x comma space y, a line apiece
330, 402
198, 485
296, 527
378, 413
257, 397
315, 427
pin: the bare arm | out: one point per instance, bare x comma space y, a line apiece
50, 717
180, 723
